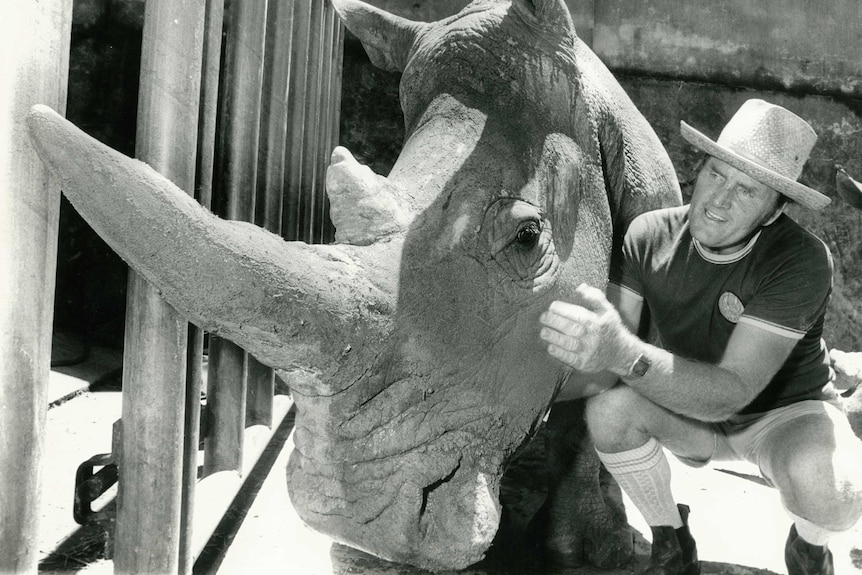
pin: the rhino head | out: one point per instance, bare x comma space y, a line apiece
411, 344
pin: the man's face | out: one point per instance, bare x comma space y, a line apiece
728, 207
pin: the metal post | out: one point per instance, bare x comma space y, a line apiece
297, 95
154, 367
313, 123
233, 198
34, 49
329, 116
333, 133
211, 60
270, 180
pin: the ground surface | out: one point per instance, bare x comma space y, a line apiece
736, 520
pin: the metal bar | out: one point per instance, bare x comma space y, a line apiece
235, 174
226, 398
324, 149
154, 360
191, 438
211, 61
212, 44
297, 95
34, 41
312, 135
273, 114
335, 111
268, 204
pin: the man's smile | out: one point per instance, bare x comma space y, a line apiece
712, 216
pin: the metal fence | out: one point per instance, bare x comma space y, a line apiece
239, 105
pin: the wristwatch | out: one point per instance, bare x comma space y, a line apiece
640, 366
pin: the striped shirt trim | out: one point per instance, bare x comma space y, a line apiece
726, 258
772, 327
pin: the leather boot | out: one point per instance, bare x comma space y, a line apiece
803, 558
674, 551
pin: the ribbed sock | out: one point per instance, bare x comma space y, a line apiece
813, 534
644, 474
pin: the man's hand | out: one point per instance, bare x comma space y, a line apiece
588, 334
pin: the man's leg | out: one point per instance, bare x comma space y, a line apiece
815, 461
629, 432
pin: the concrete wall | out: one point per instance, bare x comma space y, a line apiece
779, 44
796, 45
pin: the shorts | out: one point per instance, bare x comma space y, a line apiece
742, 436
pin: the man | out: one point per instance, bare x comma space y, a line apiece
737, 293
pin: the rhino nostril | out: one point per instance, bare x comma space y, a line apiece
428, 490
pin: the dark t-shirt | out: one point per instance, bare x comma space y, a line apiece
780, 281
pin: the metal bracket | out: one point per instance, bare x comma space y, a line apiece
90, 484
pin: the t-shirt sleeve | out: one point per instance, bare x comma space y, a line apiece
795, 292
627, 275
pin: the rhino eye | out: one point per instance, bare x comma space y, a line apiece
528, 234
519, 238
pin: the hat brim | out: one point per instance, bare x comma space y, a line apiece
797, 192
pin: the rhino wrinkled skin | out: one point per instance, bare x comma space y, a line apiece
411, 344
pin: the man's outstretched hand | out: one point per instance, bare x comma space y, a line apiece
588, 333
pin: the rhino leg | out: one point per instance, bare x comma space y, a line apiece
582, 519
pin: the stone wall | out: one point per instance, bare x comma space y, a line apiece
795, 45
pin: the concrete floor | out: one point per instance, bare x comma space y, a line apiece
737, 521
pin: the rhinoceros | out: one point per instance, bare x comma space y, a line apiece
411, 344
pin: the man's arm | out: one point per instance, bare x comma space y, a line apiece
591, 336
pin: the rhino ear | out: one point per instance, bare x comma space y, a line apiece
554, 12
387, 38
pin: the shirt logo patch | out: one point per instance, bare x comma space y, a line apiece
730, 307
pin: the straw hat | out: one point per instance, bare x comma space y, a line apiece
767, 142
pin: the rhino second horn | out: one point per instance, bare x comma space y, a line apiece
388, 39
364, 206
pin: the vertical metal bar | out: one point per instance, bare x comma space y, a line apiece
335, 114
297, 95
268, 204
237, 138
191, 436
154, 367
338, 74
211, 60
212, 45
34, 41
333, 132
277, 70
312, 135
333, 61
324, 150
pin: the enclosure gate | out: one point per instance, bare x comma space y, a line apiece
239, 104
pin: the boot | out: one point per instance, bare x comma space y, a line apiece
674, 551
803, 558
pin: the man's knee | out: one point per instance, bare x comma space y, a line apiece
823, 487
612, 416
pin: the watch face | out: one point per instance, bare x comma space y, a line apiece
641, 366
